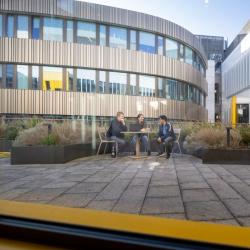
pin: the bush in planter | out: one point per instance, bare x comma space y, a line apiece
245, 135
2, 130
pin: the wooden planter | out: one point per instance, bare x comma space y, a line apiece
226, 156
54, 154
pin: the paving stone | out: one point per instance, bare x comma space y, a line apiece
172, 216
194, 185
199, 195
243, 189
206, 210
74, 177
139, 182
162, 205
245, 221
59, 185
73, 200
88, 187
190, 178
163, 191
163, 182
101, 205
12, 194
239, 207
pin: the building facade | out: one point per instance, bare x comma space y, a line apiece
236, 77
70, 58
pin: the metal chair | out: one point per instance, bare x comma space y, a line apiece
104, 140
177, 132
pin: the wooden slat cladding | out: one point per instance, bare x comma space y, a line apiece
106, 14
38, 102
28, 51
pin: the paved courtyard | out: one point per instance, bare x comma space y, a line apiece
181, 187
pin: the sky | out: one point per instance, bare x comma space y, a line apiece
205, 17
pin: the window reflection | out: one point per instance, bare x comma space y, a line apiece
1, 75
147, 42
10, 26
132, 84
35, 77
70, 33
146, 85
181, 52
69, 79
53, 29
86, 80
117, 83
1, 25
52, 78
132, 39
161, 83
22, 77
188, 55
9, 76
86, 33
22, 27
160, 42
171, 48
102, 81
103, 37
36, 28
117, 37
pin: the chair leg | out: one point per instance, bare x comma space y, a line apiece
98, 151
105, 148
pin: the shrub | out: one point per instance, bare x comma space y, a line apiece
245, 135
49, 140
2, 130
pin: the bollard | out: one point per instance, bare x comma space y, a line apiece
228, 135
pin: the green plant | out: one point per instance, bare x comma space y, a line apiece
49, 140
245, 135
12, 132
2, 130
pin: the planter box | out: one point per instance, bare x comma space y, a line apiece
53, 154
226, 156
5, 145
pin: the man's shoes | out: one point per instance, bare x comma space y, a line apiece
168, 155
160, 154
149, 153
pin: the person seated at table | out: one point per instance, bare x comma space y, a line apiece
140, 126
166, 136
116, 127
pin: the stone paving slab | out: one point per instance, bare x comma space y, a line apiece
181, 187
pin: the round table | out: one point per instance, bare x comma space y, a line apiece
137, 145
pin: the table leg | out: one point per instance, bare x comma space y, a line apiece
137, 147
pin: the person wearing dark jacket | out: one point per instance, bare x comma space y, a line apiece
116, 127
140, 126
166, 136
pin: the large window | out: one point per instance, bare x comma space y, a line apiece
22, 77
86, 33
147, 42
22, 27
70, 33
10, 26
69, 79
171, 48
132, 84
36, 28
132, 39
35, 77
160, 43
52, 78
102, 81
181, 53
86, 80
9, 76
117, 83
161, 83
102, 33
146, 85
53, 29
1, 25
117, 37
171, 89
188, 55
1, 75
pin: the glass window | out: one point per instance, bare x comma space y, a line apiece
35, 77
9, 76
147, 42
171, 48
117, 37
52, 78
146, 85
86, 80
1, 74
70, 33
195, 61
22, 27
161, 83
69, 79
132, 39
171, 90
103, 31
132, 84
1, 25
86, 33
10, 26
160, 42
36, 28
117, 83
181, 52
188, 55
102, 81
53, 29
22, 77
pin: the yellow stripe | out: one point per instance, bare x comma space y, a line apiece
4, 154
233, 111
180, 229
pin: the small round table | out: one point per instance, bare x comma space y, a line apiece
137, 145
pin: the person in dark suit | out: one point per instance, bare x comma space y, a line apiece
140, 126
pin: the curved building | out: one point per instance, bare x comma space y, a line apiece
71, 58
